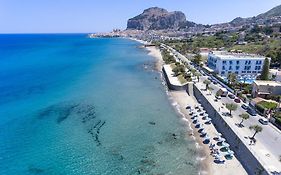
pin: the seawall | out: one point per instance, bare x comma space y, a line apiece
171, 85
251, 163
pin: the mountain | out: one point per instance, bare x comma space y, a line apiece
156, 18
270, 17
276, 11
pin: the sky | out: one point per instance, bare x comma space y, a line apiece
86, 16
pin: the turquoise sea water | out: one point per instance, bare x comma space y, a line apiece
73, 105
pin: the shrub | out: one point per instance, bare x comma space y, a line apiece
268, 105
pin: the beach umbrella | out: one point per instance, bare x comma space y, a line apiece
203, 132
206, 115
208, 120
197, 125
229, 153
225, 145
221, 139
206, 137
219, 134
201, 127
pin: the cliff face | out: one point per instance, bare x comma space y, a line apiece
158, 19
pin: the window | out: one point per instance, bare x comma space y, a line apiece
237, 67
230, 68
248, 71
223, 67
230, 62
249, 62
223, 62
254, 72
245, 68
236, 72
222, 72
237, 62
243, 71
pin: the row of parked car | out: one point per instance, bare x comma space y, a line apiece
246, 107
250, 110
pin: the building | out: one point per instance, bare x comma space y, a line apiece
263, 89
275, 74
244, 65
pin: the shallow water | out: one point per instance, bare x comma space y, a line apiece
73, 105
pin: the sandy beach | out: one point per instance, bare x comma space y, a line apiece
181, 99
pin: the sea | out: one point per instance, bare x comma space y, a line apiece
71, 105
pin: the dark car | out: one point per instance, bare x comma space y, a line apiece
244, 106
231, 96
251, 111
237, 100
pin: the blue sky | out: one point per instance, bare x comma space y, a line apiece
64, 16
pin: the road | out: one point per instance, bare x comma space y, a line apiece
270, 136
269, 140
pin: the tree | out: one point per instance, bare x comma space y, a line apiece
197, 59
207, 82
265, 70
243, 117
197, 74
231, 107
232, 78
256, 128
192, 71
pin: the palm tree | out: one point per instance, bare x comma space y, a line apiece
197, 74
243, 117
231, 107
232, 78
207, 82
192, 71
256, 128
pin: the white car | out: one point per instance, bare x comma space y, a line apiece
263, 121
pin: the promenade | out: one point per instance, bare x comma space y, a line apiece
266, 151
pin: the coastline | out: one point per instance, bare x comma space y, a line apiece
177, 101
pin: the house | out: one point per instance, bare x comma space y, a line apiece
244, 65
275, 74
263, 89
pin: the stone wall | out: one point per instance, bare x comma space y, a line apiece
172, 86
251, 163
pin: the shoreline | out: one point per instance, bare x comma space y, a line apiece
179, 100
203, 160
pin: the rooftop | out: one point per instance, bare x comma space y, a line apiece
267, 83
234, 55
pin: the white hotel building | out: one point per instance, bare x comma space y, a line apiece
244, 65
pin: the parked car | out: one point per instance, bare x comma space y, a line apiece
237, 100
244, 106
218, 97
231, 96
263, 121
251, 111
223, 92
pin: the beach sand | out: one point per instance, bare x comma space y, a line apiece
182, 99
